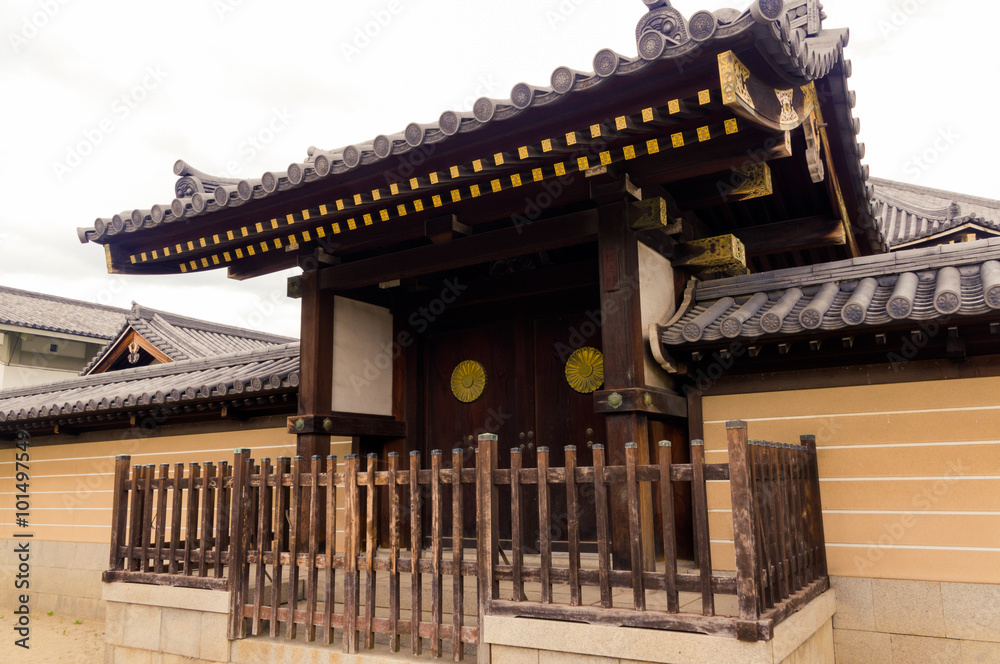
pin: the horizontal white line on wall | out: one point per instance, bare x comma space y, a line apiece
820, 416
946, 478
111, 457
844, 545
891, 445
53, 525
913, 547
891, 512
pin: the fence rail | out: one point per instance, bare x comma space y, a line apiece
279, 536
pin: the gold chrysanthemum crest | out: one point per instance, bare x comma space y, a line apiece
585, 369
468, 381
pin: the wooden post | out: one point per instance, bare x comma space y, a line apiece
743, 530
516, 536
668, 527
240, 539
572, 526
635, 534
119, 511
699, 505
544, 524
601, 510
458, 582
351, 528
816, 533
331, 548
371, 543
487, 535
175, 518
416, 539
316, 361
263, 531
280, 540
161, 517
624, 367
295, 523
437, 534
394, 518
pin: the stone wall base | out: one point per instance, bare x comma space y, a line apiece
804, 638
162, 625
65, 577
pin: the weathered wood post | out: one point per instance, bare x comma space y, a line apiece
743, 530
239, 573
816, 533
119, 505
487, 534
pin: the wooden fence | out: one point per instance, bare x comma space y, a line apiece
264, 532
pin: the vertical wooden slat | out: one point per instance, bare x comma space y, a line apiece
743, 533
487, 535
699, 505
351, 530
191, 536
416, 538
263, 531
797, 509
786, 517
755, 471
240, 537
312, 576
780, 509
393, 551
516, 520
294, 507
134, 518
603, 544
816, 532
457, 529
668, 527
280, 540
222, 520
175, 516
147, 517
634, 532
371, 543
437, 534
767, 505
331, 548
119, 511
544, 524
161, 517
572, 526
207, 503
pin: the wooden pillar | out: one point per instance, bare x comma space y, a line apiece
315, 363
621, 332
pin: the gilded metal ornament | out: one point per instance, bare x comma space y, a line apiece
585, 370
468, 381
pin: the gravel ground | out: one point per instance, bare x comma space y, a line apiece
54, 639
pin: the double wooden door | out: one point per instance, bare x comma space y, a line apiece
527, 402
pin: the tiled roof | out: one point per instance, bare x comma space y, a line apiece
183, 338
789, 34
183, 383
39, 311
906, 213
951, 280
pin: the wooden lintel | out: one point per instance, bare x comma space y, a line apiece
644, 400
347, 424
564, 231
793, 235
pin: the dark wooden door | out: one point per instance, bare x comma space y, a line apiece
501, 409
563, 416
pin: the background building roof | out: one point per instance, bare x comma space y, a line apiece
39, 311
908, 214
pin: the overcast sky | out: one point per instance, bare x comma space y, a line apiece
100, 97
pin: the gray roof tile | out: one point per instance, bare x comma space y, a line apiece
968, 257
233, 372
51, 313
906, 213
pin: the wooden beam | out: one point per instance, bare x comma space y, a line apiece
563, 231
793, 235
347, 424
644, 400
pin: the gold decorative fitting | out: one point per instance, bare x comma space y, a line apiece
585, 370
468, 381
